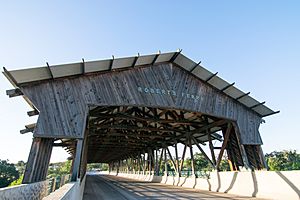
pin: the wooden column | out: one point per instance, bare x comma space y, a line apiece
192, 157
263, 158
38, 160
177, 160
166, 164
242, 148
76, 166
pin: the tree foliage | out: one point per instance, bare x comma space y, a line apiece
283, 160
8, 173
58, 169
97, 166
202, 164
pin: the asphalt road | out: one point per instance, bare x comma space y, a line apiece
117, 188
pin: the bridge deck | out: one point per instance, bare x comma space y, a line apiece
112, 187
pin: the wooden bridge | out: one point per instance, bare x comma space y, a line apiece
127, 112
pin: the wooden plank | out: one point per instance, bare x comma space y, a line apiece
76, 165
14, 92
32, 113
38, 160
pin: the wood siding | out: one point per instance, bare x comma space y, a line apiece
63, 103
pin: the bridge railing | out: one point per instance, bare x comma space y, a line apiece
57, 182
36, 190
184, 173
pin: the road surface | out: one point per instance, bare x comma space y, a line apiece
118, 188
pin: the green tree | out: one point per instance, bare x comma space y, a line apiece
20, 166
18, 181
58, 169
8, 173
283, 160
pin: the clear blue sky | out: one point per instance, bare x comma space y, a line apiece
255, 44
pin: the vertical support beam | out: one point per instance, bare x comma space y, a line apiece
118, 167
211, 147
144, 164
76, 166
156, 162
182, 157
160, 160
242, 148
192, 157
226, 137
172, 160
166, 164
263, 158
38, 160
177, 160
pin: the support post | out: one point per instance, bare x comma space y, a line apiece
242, 148
211, 147
226, 137
38, 160
182, 158
160, 160
192, 157
263, 158
177, 160
166, 164
76, 166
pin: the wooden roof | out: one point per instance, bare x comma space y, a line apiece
32, 75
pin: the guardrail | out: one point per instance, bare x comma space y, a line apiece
36, 190
184, 173
57, 182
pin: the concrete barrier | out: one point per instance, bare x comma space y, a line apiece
70, 191
263, 184
25, 191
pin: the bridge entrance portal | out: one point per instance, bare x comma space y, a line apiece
133, 109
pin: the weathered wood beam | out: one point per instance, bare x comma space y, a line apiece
228, 86
182, 157
14, 92
32, 113
135, 60
50, 71
203, 152
155, 58
193, 68
175, 56
111, 63
157, 120
226, 138
243, 95
83, 67
11, 79
259, 104
38, 160
209, 78
28, 128
211, 147
177, 160
76, 165
192, 156
172, 160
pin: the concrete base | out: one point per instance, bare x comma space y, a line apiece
264, 184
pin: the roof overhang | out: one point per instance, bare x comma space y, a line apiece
32, 75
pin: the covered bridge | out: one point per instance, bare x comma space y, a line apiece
134, 108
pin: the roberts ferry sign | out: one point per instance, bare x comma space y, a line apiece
159, 91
